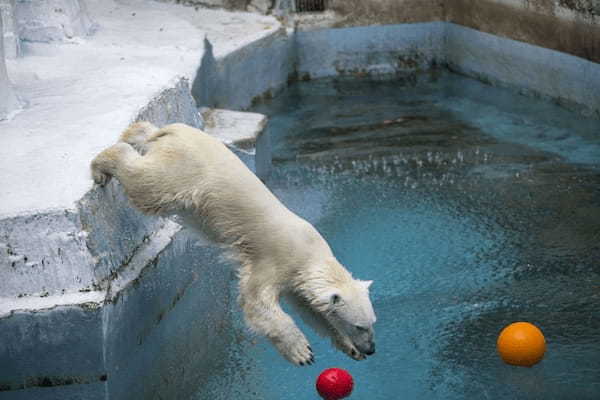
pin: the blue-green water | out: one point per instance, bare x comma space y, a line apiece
471, 207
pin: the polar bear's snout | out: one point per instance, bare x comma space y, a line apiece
365, 342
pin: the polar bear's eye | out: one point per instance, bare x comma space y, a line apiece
336, 299
361, 328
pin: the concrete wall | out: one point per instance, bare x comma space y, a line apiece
35, 21
148, 337
405, 48
166, 330
42, 21
571, 81
368, 50
263, 68
39, 360
570, 26
12, 44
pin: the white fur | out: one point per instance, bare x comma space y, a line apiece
183, 171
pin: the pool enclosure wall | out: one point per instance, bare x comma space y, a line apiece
100, 302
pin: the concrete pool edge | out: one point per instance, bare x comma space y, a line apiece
105, 234
568, 80
571, 81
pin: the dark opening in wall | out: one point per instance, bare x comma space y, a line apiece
310, 5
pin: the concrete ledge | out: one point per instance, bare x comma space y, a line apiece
237, 128
44, 255
245, 133
78, 248
58, 233
86, 299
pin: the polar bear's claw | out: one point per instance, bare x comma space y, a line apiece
303, 356
311, 360
296, 349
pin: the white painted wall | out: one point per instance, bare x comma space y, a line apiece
52, 20
9, 103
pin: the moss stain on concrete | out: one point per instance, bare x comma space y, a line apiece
536, 24
385, 12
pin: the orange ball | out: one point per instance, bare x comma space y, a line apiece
521, 343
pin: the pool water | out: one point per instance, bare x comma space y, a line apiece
470, 207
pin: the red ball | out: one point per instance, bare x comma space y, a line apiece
334, 384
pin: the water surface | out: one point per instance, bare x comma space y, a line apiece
471, 207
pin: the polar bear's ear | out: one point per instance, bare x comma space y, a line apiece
366, 284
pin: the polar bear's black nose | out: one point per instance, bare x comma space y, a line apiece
370, 350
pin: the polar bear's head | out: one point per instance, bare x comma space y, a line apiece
350, 313
343, 302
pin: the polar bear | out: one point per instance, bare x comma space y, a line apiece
180, 170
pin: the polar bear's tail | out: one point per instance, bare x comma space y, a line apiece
137, 135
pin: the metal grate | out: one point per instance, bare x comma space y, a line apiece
310, 5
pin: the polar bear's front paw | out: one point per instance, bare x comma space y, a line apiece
98, 172
295, 348
100, 178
